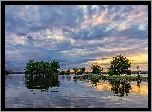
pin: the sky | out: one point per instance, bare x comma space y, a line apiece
76, 35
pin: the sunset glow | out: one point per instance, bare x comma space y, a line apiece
76, 36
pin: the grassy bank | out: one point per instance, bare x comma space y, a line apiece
113, 77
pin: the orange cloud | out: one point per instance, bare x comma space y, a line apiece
138, 58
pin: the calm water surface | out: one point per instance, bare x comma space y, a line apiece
70, 93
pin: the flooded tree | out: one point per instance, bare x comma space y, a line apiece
94, 81
111, 71
138, 77
82, 70
120, 88
67, 72
75, 70
138, 72
79, 71
61, 72
96, 69
7, 72
41, 75
41, 82
41, 68
128, 72
119, 65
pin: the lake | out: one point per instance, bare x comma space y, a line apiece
66, 92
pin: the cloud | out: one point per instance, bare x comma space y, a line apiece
73, 35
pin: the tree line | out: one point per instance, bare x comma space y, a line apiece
7, 72
42, 68
119, 65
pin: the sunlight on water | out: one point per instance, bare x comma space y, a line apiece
66, 92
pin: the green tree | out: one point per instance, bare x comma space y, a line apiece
75, 70
41, 68
62, 72
96, 69
138, 72
67, 72
7, 72
29, 69
111, 71
54, 66
129, 72
120, 65
78, 72
82, 70
87, 73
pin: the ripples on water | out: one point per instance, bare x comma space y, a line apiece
70, 93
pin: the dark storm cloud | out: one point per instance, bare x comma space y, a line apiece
73, 34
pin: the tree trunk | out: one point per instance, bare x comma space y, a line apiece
138, 74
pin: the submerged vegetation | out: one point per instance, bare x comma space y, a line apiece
61, 72
41, 82
120, 88
44, 75
96, 69
41, 75
42, 68
113, 77
79, 71
119, 65
7, 72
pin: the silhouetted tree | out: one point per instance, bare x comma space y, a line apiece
7, 72
67, 72
41, 68
96, 69
75, 70
119, 65
62, 73
82, 70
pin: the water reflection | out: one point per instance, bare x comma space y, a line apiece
120, 88
8, 76
94, 81
72, 93
41, 82
65, 77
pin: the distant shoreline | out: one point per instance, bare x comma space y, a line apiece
133, 72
